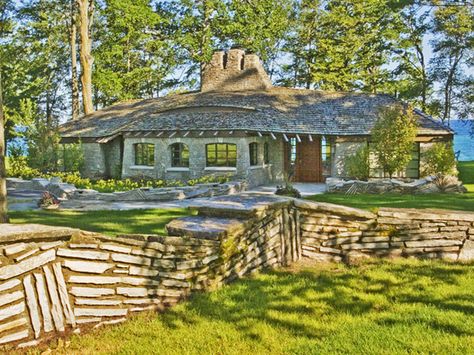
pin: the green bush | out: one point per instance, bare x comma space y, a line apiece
440, 159
357, 165
18, 167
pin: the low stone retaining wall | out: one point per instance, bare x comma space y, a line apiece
430, 184
56, 280
69, 192
333, 233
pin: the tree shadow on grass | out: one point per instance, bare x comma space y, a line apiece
289, 300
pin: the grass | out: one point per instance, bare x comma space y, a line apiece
399, 307
108, 222
463, 202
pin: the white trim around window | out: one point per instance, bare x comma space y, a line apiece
141, 167
220, 168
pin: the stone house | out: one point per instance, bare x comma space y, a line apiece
237, 124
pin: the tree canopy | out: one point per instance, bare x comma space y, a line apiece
420, 52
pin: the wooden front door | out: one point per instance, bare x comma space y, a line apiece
307, 164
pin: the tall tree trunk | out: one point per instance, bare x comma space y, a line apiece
3, 171
86, 8
74, 78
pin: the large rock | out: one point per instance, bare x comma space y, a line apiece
61, 190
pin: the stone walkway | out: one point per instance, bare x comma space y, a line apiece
20, 200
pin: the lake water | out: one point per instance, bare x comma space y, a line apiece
463, 141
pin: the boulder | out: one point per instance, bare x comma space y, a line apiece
61, 190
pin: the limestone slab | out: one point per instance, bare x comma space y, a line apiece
95, 302
205, 227
432, 243
100, 312
91, 291
108, 280
63, 294
358, 246
56, 310
50, 245
140, 271
9, 285
116, 248
14, 248
83, 254
83, 245
44, 302
32, 263
12, 310
467, 251
87, 266
13, 324
165, 264
88, 320
27, 254
32, 303
10, 297
132, 291
14, 337
131, 259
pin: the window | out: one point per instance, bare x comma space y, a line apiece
411, 171
326, 155
413, 168
221, 154
266, 153
145, 154
179, 155
253, 151
292, 150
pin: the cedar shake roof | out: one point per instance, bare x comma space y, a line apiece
277, 110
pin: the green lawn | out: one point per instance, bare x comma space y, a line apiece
400, 307
463, 202
107, 222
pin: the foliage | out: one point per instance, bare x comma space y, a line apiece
440, 159
357, 166
48, 201
393, 137
151, 221
288, 189
466, 171
379, 307
18, 168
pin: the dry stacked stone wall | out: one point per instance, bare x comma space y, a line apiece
334, 233
59, 280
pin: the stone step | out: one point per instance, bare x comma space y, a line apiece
203, 227
240, 206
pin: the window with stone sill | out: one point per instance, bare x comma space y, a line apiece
253, 152
179, 155
221, 155
144, 154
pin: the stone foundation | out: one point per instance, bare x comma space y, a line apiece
56, 280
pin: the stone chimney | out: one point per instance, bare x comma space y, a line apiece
234, 71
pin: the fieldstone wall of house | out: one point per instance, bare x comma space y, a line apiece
55, 280
341, 151
94, 160
197, 159
234, 71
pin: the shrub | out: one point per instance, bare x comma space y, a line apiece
357, 165
393, 136
440, 159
